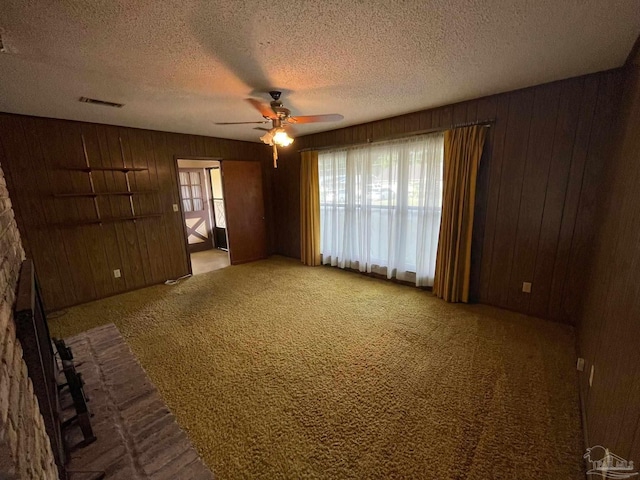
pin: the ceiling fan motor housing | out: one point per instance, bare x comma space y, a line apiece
280, 117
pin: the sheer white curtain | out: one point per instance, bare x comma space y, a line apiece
380, 207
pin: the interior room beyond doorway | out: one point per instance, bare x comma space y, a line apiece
204, 214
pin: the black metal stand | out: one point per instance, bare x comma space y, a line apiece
75, 384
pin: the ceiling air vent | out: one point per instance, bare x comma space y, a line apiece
101, 102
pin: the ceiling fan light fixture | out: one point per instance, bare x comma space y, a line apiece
277, 136
279, 117
281, 138
267, 138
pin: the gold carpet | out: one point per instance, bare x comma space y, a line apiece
277, 370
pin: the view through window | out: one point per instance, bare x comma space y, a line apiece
380, 207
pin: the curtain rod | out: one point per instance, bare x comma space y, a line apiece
482, 123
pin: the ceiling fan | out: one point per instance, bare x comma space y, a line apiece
280, 119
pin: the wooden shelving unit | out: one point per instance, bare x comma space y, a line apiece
108, 169
98, 194
107, 220
88, 169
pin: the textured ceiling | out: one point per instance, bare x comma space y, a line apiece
183, 65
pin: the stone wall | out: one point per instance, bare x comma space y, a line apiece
25, 450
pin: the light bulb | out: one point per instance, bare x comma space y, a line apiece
281, 138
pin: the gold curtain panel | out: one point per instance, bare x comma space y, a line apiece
462, 153
309, 209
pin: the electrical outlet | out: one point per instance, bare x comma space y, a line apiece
176, 208
593, 369
526, 287
116, 273
580, 364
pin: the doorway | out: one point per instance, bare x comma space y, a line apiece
219, 212
204, 214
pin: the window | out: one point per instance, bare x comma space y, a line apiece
218, 198
380, 207
191, 189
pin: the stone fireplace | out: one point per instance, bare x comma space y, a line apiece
25, 449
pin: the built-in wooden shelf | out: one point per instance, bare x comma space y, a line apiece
99, 220
107, 220
98, 194
108, 169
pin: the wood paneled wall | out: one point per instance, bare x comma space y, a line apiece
539, 184
609, 330
75, 263
286, 201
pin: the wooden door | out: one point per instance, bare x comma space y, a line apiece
195, 205
244, 202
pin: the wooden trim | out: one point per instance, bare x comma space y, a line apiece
192, 157
237, 160
185, 237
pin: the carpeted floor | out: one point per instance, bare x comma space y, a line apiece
277, 370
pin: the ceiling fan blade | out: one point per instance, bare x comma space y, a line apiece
241, 123
332, 117
264, 108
